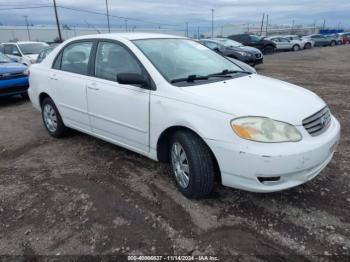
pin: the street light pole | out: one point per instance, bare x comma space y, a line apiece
267, 23
126, 25
212, 23
57, 22
109, 28
26, 19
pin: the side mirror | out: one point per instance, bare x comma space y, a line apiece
132, 79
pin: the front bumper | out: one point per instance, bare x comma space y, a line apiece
243, 165
252, 60
13, 86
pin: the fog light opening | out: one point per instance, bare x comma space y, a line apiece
267, 180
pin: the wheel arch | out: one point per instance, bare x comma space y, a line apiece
42, 96
163, 144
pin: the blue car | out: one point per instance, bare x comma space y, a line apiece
13, 77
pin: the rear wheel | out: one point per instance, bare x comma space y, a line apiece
192, 164
333, 43
268, 50
296, 48
52, 118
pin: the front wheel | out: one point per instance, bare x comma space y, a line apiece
307, 46
52, 118
268, 50
192, 164
296, 48
333, 43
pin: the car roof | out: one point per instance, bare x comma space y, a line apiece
127, 36
24, 42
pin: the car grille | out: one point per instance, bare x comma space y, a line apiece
258, 55
12, 75
318, 122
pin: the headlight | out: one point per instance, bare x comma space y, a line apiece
32, 60
26, 72
243, 53
262, 129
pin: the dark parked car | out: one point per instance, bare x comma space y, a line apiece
321, 40
233, 49
13, 77
266, 46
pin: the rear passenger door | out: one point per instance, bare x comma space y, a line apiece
118, 113
67, 81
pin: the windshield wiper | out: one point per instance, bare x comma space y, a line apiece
192, 78
227, 72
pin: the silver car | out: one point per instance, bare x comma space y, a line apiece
282, 43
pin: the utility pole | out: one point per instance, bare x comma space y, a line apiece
198, 32
57, 22
126, 25
212, 23
26, 19
109, 28
186, 29
262, 23
267, 23
314, 26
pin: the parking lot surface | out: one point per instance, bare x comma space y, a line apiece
80, 195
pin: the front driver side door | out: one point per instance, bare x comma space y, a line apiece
118, 113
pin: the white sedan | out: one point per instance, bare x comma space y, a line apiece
174, 100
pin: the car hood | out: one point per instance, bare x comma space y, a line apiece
251, 49
11, 68
256, 95
32, 56
248, 49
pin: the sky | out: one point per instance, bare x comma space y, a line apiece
174, 14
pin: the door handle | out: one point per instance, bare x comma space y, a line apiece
53, 77
92, 86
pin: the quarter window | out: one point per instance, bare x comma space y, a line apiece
75, 58
113, 59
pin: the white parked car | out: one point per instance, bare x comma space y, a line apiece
283, 44
174, 100
302, 43
23, 52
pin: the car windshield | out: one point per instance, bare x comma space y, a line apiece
4, 59
229, 42
34, 48
255, 38
180, 58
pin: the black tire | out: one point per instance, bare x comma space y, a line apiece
200, 163
307, 46
296, 48
340, 42
333, 43
61, 129
268, 50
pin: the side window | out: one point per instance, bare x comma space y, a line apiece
275, 39
8, 49
113, 59
284, 40
75, 58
